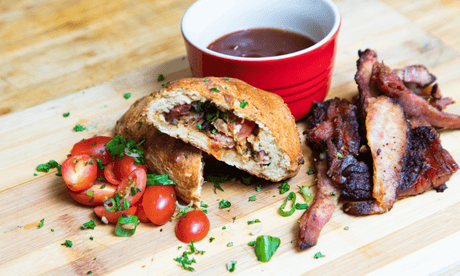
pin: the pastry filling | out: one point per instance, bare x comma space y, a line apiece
223, 128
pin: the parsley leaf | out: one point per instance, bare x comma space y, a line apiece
127, 95
41, 223
50, 165
258, 188
243, 104
310, 171
118, 145
161, 77
318, 255
90, 224
66, 114
217, 180
252, 198
284, 188
224, 204
67, 243
231, 266
159, 179
79, 128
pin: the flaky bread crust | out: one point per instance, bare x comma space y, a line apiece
164, 154
266, 109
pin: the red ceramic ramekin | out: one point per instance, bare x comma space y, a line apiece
300, 77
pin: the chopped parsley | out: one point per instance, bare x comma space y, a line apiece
161, 77
52, 230
346, 228
206, 79
229, 244
217, 180
185, 261
246, 180
79, 127
332, 193
158, 179
203, 205
224, 204
199, 126
67, 243
252, 243
211, 239
310, 171
41, 223
66, 114
223, 227
35, 174
50, 165
127, 95
318, 255
140, 124
258, 188
89, 272
119, 145
252, 198
88, 225
253, 221
234, 218
231, 266
226, 78
339, 155
215, 89
91, 238
243, 104
284, 188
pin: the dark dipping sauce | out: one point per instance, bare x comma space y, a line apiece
261, 42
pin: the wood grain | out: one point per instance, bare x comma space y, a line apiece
50, 50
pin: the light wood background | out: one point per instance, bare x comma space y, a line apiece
82, 56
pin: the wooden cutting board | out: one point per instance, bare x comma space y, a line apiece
420, 235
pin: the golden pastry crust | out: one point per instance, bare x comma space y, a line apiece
164, 154
266, 109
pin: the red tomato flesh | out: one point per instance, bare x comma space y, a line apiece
79, 172
112, 217
159, 203
109, 174
94, 146
123, 167
141, 212
194, 226
137, 180
94, 195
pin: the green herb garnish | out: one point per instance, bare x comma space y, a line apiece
253, 221
41, 223
229, 244
67, 243
231, 266
118, 145
66, 114
215, 89
224, 204
159, 179
161, 77
252, 198
79, 127
243, 104
318, 255
284, 188
217, 181
127, 95
310, 171
211, 239
50, 165
90, 224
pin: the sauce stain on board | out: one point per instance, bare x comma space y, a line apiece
31, 225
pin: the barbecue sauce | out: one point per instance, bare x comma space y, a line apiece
261, 42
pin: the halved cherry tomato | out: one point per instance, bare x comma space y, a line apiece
94, 146
159, 203
141, 212
194, 226
94, 195
109, 174
125, 166
132, 187
112, 217
79, 172
246, 127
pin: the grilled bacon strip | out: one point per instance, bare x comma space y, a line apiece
414, 105
388, 139
320, 212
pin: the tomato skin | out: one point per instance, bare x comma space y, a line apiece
194, 226
141, 212
109, 174
112, 217
159, 203
125, 166
136, 179
94, 146
79, 172
246, 127
99, 195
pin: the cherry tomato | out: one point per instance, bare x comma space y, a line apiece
95, 195
79, 172
194, 226
94, 146
159, 203
109, 174
141, 212
125, 166
132, 187
112, 217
